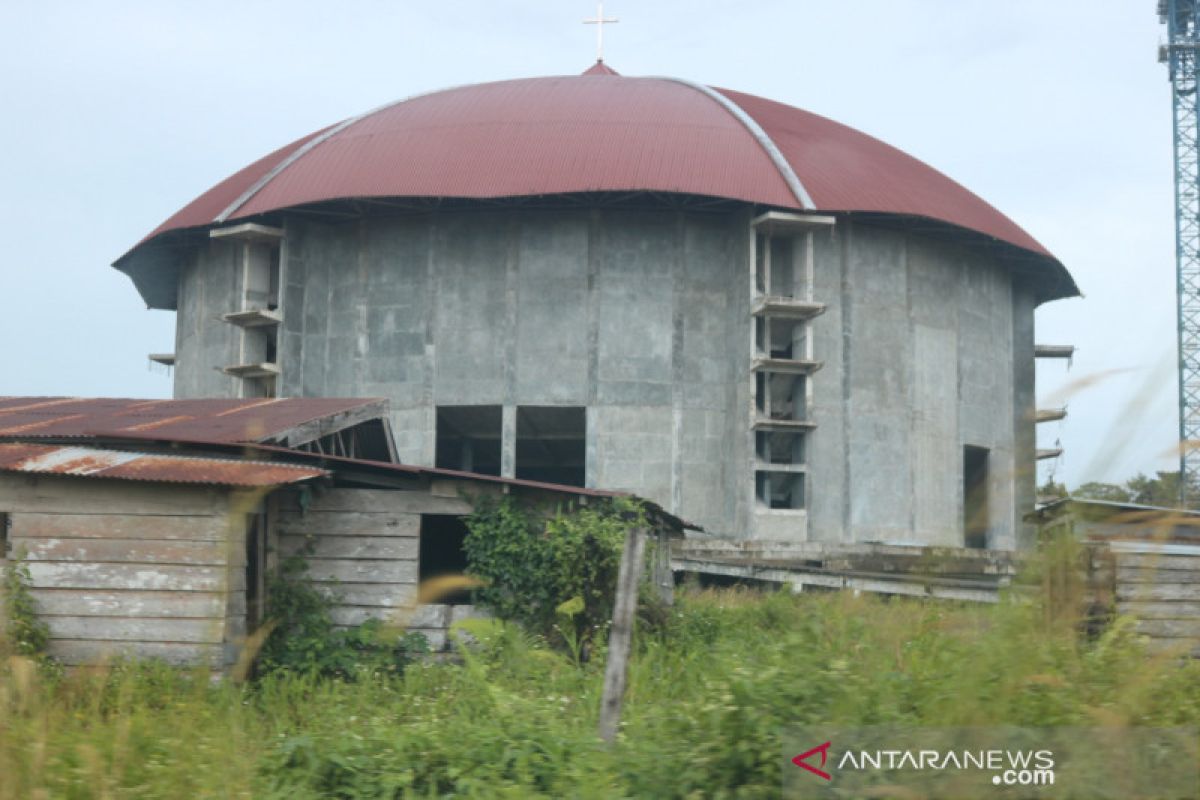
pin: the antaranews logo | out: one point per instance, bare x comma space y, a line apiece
801, 760
1011, 768
946, 763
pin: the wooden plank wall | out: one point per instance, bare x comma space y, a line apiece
363, 547
1159, 585
136, 568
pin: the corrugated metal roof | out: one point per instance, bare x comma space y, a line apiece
531, 137
592, 133
91, 462
335, 462
847, 170
214, 420
208, 205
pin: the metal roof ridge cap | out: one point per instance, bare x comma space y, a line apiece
761, 136
308, 146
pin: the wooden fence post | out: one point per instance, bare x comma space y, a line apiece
664, 578
620, 637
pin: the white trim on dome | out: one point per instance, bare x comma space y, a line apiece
764, 140
756, 130
305, 148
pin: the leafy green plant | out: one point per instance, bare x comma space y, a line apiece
304, 638
25, 633
566, 613
535, 564
709, 694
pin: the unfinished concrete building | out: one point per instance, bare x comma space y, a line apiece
775, 326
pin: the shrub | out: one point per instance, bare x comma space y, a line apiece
710, 695
304, 638
556, 574
24, 633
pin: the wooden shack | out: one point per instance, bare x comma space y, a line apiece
1143, 561
147, 554
144, 541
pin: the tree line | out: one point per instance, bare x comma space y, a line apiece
1161, 489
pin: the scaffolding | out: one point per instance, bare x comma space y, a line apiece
1179, 54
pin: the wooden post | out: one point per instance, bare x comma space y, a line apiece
664, 579
620, 637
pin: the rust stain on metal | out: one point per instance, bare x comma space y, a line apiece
16, 453
42, 403
248, 406
145, 426
42, 424
121, 465
215, 420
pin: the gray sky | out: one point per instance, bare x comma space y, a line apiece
117, 114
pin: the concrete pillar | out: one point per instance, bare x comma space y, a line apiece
508, 442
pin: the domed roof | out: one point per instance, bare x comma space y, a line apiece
600, 132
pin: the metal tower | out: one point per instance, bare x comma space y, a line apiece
1182, 18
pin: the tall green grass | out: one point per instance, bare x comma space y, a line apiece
709, 693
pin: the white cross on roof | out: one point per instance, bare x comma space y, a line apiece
600, 21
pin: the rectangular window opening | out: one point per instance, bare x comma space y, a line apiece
975, 497
5, 539
552, 444
468, 438
780, 338
262, 276
780, 490
761, 262
442, 552
780, 447
260, 345
273, 279
789, 339
258, 387
783, 282
781, 396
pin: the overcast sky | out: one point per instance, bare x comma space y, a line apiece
116, 114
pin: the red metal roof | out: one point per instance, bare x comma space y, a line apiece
531, 137
90, 462
215, 420
205, 208
600, 68
599, 132
847, 170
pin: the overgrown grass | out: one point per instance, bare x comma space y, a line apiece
708, 695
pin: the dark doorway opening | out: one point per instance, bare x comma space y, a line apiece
975, 497
468, 438
552, 444
442, 553
256, 552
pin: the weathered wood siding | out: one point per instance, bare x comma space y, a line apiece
1159, 585
362, 546
149, 570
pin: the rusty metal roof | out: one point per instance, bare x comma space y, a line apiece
214, 420
601, 132
333, 463
91, 462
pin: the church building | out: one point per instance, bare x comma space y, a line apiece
772, 325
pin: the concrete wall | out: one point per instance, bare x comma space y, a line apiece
927, 347
625, 313
210, 284
643, 317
